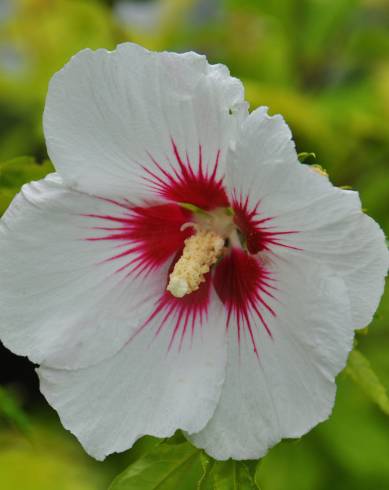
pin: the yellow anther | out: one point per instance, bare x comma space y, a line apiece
201, 251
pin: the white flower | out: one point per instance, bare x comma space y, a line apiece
235, 337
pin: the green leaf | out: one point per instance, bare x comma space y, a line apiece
232, 475
207, 463
10, 410
254, 467
166, 467
361, 372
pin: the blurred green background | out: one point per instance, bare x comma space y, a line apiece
323, 64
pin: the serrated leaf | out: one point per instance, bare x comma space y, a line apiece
167, 467
10, 410
361, 372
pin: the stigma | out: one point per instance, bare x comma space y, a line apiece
200, 252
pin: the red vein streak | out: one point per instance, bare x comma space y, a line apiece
182, 182
181, 315
259, 234
244, 286
149, 235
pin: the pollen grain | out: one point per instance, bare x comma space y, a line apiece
200, 252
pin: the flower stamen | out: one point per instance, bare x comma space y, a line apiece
200, 252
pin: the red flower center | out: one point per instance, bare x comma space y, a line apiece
150, 235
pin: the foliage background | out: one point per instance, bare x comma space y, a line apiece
324, 65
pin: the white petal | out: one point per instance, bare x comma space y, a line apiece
290, 387
331, 227
108, 114
144, 389
61, 302
262, 140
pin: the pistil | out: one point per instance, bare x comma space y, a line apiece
200, 252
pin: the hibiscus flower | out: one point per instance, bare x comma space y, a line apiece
182, 269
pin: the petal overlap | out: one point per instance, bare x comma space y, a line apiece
151, 149
288, 385
307, 215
